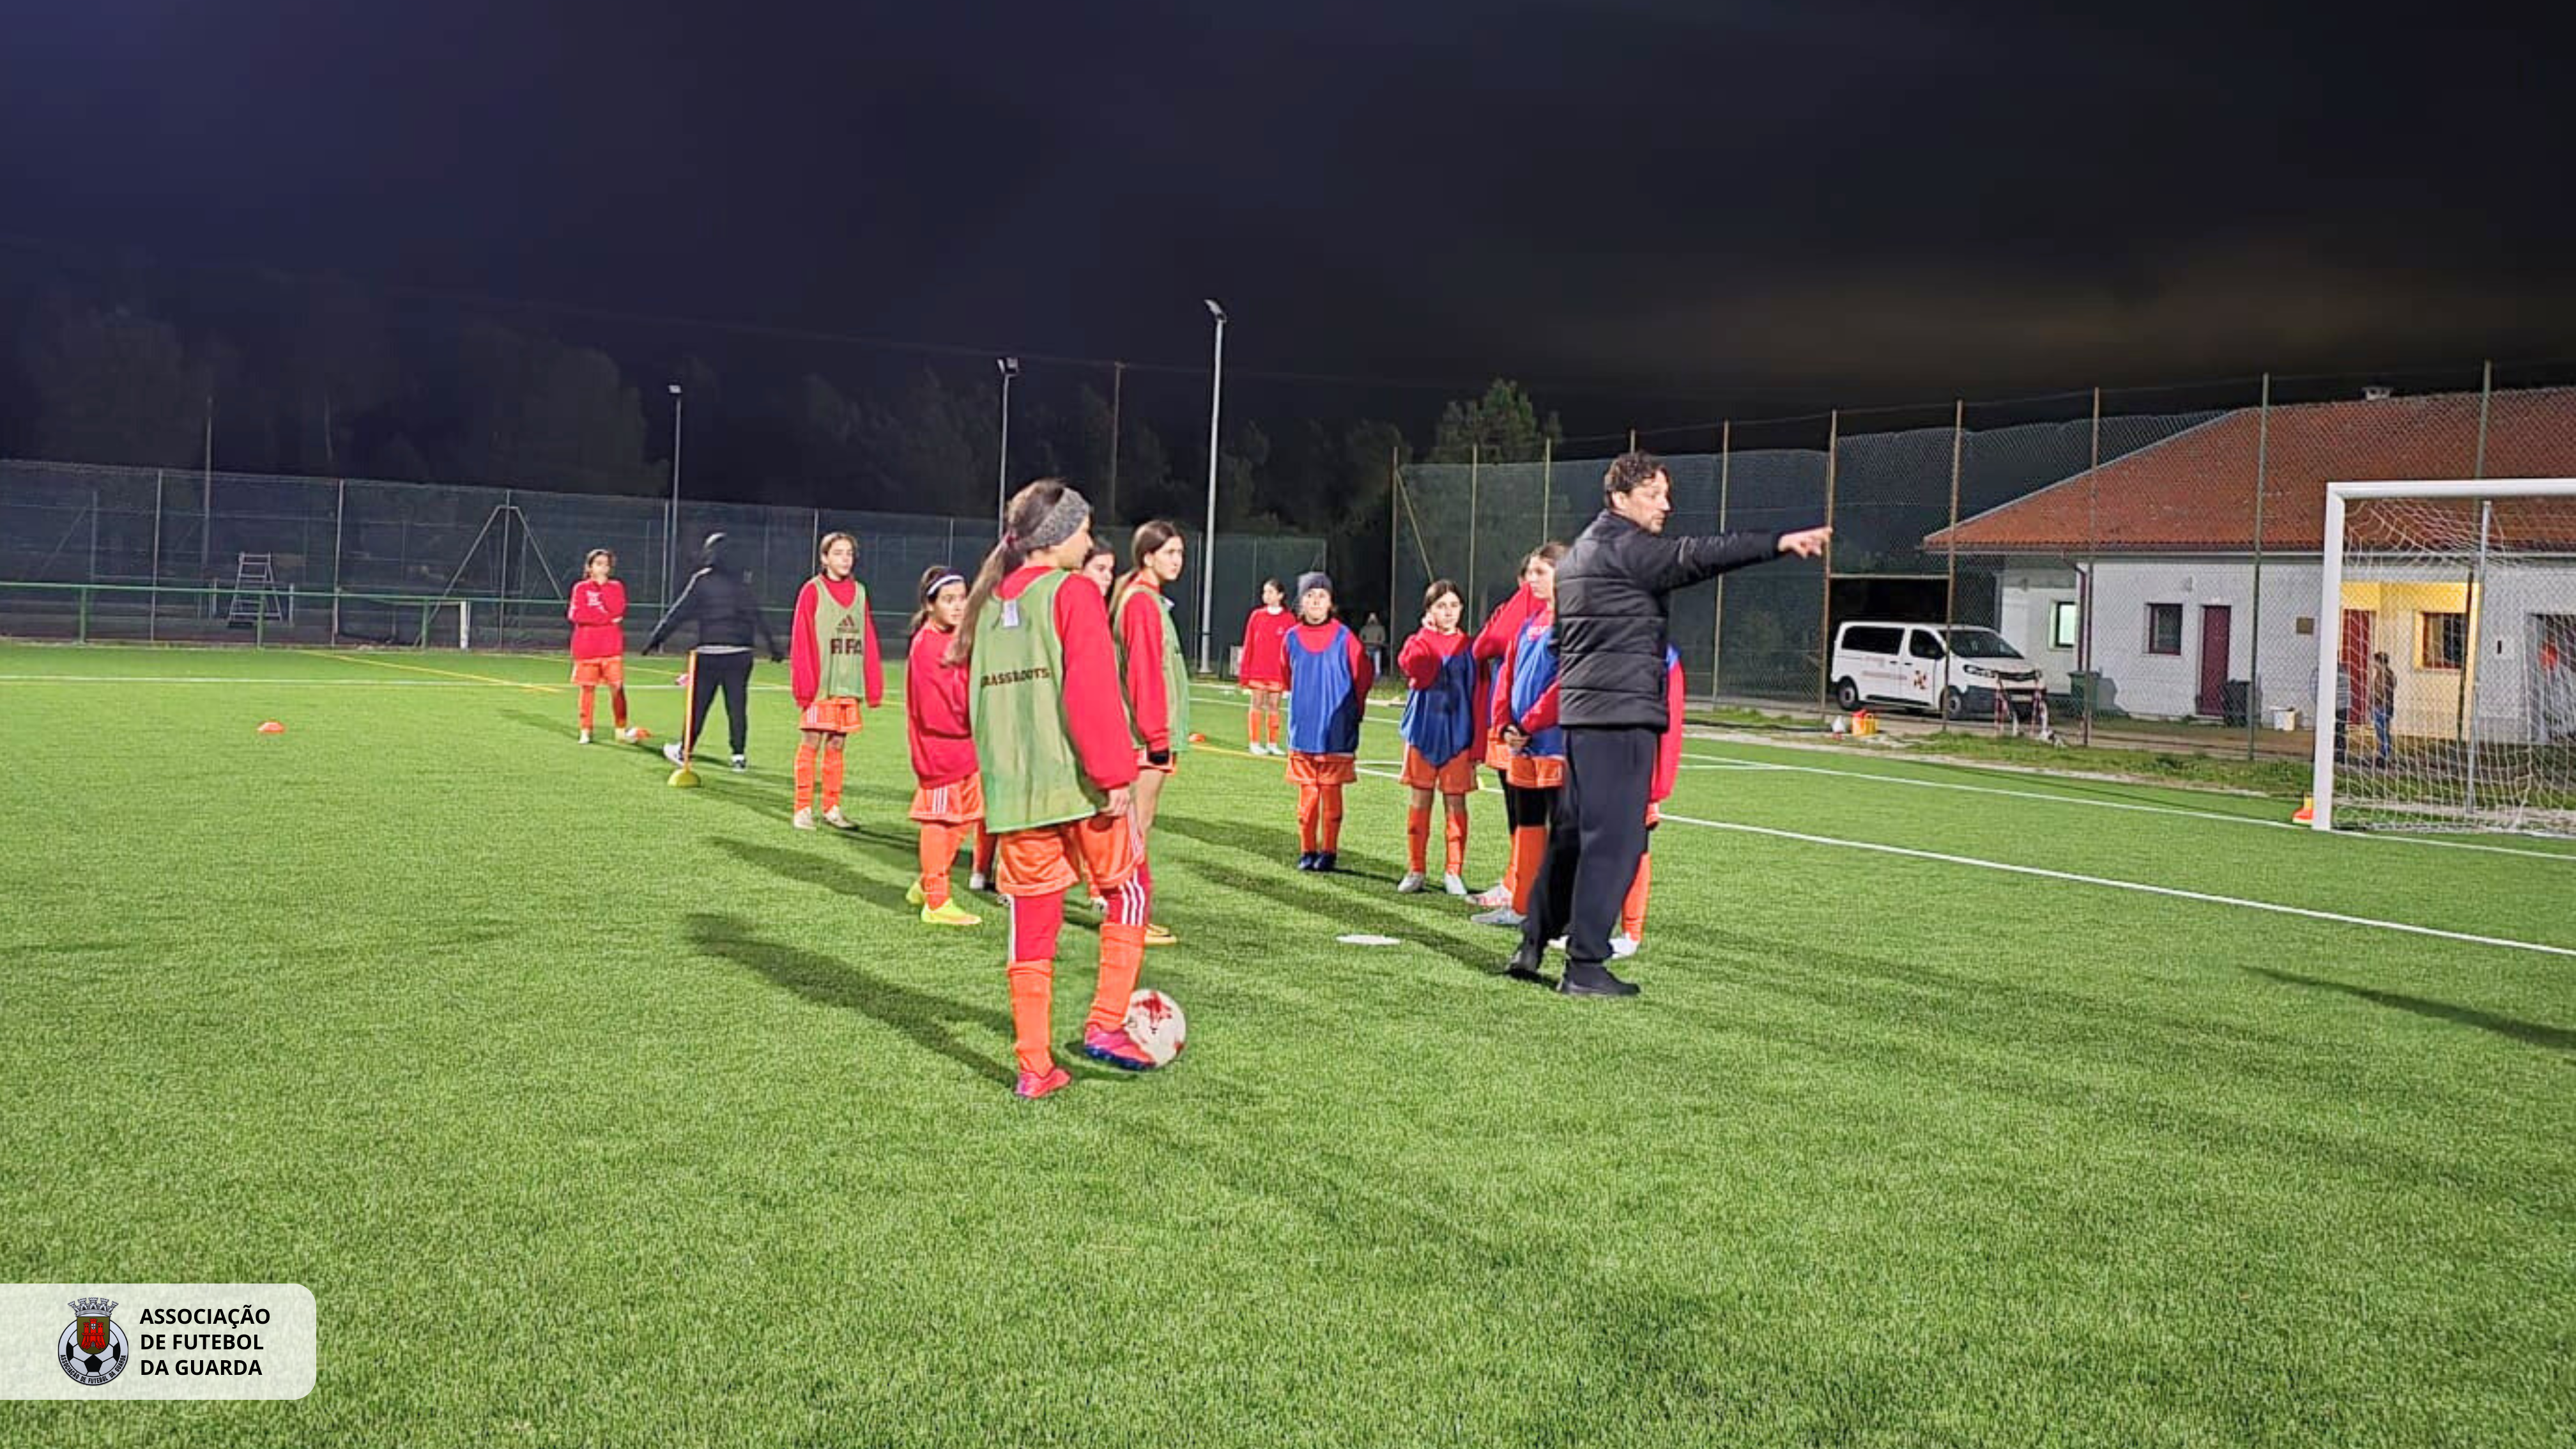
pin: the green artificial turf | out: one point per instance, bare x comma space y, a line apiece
598, 1112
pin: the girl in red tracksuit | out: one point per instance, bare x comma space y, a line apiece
1493, 642
1059, 765
1668, 769
948, 793
598, 614
1154, 680
831, 662
1264, 671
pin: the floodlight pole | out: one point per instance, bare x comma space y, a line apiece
1009, 367
1207, 565
671, 533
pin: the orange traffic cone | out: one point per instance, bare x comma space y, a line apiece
271, 727
2307, 811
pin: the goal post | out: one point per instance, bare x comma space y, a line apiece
2446, 657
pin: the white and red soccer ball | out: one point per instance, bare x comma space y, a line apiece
1154, 1022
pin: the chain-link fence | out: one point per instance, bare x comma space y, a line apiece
180, 556
2145, 555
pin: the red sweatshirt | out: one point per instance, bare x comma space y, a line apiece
596, 612
1668, 755
1094, 716
934, 711
805, 654
1317, 637
1492, 643
1423, 655
1542, 711
1265, 637
1140, 632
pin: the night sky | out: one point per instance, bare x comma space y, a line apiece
1662, 197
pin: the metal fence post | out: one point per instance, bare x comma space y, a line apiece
1717, 632
2254, 660
2092, 550
339, 525
1950, 594
1825, 606
1474, 457
152, 609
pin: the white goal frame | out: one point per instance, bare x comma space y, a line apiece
2329, 626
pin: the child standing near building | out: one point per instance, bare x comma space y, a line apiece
948, 794
1058, 765
1264, 670
1328, 684
1442, 730
832, 663
598, 615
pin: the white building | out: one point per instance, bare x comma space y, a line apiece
2162, 542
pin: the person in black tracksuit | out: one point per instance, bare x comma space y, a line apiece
1613, 622
729, 622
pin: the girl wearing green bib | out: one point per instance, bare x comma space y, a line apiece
834, 662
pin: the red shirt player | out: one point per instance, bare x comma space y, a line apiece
598, 615
1265, 667
832, 661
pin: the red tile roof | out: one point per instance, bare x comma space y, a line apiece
2194, 492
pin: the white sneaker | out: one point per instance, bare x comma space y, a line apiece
740, 765
629, 736
838, 821
585, 737
1556, 944
1494, 899
1453, 885
1622, 947
671, 752
1099, 905
1411, 885
978, 881
1503, 916
805, 819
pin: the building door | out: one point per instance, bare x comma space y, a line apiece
2354, 660
2213, 658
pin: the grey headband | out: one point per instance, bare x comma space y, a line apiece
1064, 520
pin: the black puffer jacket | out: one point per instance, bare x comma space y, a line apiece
1614, 615
721, 605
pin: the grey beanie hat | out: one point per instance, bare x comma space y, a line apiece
1315, 580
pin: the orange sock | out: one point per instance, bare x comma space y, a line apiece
1331, 829
586, 692
1122, 955
617, 705
1458, 842
1252, 725
1274, 726
1632, 916
1032, 1000
1309, 807
834, 757
805, 775
1417, 837
938, 858
1529, 843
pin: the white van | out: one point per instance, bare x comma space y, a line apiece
1957, 670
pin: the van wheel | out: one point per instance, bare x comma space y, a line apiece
1954, 703
1847, 695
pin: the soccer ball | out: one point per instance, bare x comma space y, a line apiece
1154, 1023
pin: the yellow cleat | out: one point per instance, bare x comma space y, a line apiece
914, 897
948, 915
1160, 935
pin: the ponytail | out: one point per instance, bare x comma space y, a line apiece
1026, 510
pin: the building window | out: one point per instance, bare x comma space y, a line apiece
2442, 641
2062, 624
2164, 628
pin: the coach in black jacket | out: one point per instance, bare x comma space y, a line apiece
1613, 621
719, 600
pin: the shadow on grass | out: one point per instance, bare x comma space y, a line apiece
2531, 1033
1339, 898
816, 869
933, 1023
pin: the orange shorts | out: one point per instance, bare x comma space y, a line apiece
957, 803
610, 671
1458, 777
1171, 763
836, 713
1304, 769
1040, 862
1498, 756
1536, 772
1264, 686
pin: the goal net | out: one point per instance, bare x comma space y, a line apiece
2446, 657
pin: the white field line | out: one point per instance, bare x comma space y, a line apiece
2105, 882
2050, 797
